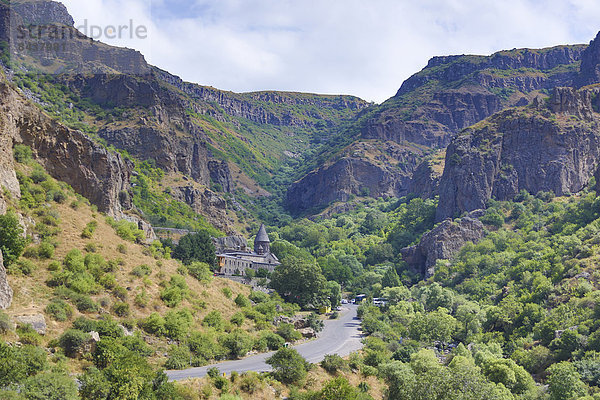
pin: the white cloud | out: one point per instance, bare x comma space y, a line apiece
366, 48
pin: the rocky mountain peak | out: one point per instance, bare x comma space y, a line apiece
589, 72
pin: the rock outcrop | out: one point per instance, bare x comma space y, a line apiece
442, 243
554, 149
425, 181
68, 155
344, 179
207, 203
589, 73
6, 292
234, 242
37, 322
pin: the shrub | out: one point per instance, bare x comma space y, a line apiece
85, 303
28, 335
271, 340
227, 292
333, 363
141, 270
22, 153
59, 310
6, 323
238, 343
54, 266
288, 332
288, 366
213, 320
154, 324
200, 271
250, 382
89, 230
179, 357
238, 318
72, 342
22, 267
178, 323
50, 386
259, 297
213, 372
121, 248
121, 309
242, 301
46, 250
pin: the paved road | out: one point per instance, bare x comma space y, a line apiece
341, 336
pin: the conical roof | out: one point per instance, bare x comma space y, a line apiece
262, 236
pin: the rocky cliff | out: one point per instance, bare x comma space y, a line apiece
6, 292
553, 146
442, 243
68, 155
448, 95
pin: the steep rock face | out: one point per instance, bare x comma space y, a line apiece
450, 94
68, 155
207, 203
257, 106
235, 242
442, 243
221, 175
43, 13
347, 177
589, 72
6, 292
533, 149
425, 181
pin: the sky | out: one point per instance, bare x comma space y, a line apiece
365, 48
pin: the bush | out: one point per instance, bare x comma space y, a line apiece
121, 309
227, 292
259, 297
72, 342
213, 320
242, 301
154, 324
22, 153
179, 357
333, 363
46, 250
200, 271
250, 382
238, 318
59, 310
89, 230
238, 343
85, 304
6, 323
271, 340
178, 323
288, 332
22, 267
141, 271
28, 335
50, 386
288, 366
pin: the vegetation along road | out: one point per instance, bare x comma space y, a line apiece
341, 336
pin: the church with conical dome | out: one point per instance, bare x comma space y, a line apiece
235, 262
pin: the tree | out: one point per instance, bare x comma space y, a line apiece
238, 343
12, 241
288, 366
334, 270
564, 382
50, 386
196, 247
300, 281
391, 278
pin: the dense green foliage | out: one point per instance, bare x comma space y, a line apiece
196, 247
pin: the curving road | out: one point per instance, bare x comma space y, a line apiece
341, 336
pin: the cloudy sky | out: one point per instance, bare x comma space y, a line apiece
360, 47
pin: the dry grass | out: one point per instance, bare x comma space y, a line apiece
270, 389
